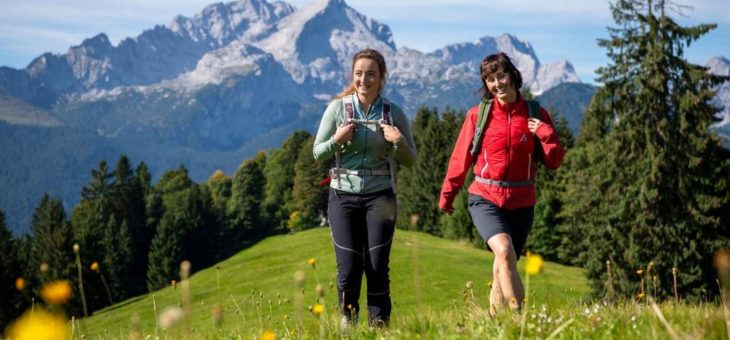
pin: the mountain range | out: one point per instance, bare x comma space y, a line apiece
211, 90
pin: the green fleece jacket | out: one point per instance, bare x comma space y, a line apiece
367, 149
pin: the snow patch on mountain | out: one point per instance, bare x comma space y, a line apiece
721, 66
317, 41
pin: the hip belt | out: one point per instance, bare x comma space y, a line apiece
504, 184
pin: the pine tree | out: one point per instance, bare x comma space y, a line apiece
279, 175
165, 253
117, 258
52, 239
309, 200
419, 186
9, 273
247, 192
177, 200
52, 247
129, 210
546, 237
648, 179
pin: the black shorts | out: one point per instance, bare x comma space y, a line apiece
491, 220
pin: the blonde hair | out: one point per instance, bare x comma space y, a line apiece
368, 53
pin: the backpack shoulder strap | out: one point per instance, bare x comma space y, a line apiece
533, 111
386, 117
485, 107
349, 112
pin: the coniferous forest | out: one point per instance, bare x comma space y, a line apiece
644, 185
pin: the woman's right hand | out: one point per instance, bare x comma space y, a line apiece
344, 133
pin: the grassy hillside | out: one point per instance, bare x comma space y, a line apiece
432, 300
428, 275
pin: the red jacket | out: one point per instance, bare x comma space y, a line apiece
506, 154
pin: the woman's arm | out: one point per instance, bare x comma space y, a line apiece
324, 143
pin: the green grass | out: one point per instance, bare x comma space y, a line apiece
258, 293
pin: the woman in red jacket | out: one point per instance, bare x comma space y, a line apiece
502, 196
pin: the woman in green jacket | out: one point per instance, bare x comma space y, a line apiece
366, 135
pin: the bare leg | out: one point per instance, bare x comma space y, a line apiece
496, 298
505, 263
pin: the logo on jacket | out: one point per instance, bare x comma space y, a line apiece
523, 139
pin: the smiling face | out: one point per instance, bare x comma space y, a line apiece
500, 85
367, 79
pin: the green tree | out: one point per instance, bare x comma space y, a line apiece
309, 200
279, 174
546, 237
419, 186
247, 192
219, 186
649, 178
10, 266
165, 253
179, 203
52, 247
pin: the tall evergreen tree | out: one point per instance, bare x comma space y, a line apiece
279, 175
165, 253
546, 237
309, 200
52, 247
117, 258
9, 273
419, 185
649, 178
178, 202
53, 239
247, 192
129, 211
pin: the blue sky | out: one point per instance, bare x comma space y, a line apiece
557, 30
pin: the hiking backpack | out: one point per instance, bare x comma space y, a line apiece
485, 108
349, 117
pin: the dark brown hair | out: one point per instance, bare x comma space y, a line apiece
370, 54
493, 63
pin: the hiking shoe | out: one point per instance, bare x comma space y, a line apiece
377, 324
347, 323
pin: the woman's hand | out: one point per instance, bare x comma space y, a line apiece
533, 124
344, 133
391, 133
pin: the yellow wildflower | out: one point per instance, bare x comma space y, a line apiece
56, 292
317, 309
268, 335
640, 272
533, 265
95, 266
312, 262
38, 324
20, 283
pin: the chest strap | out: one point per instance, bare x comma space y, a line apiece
504, 184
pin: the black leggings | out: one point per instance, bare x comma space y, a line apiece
362, 228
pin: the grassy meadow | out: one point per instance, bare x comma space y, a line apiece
439, 290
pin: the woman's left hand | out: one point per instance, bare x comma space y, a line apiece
533, 124
391, 133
